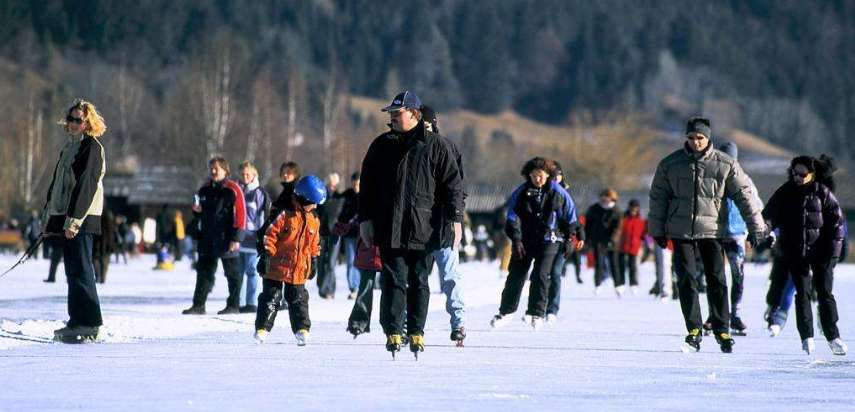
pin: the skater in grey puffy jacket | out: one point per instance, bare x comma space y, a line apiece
688, 205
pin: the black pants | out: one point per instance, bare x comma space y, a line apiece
272, 293
543, 256
712, 255
604, 256
777, 282
326, 265
101, 264
56, 252
628, 263
360, 316
206, 267
405, 286
823, 281
84, 308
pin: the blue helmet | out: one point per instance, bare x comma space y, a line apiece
312, 189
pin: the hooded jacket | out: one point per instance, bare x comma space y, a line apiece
687, 196
75, 198
407, 186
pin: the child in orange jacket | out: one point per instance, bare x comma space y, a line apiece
291, 245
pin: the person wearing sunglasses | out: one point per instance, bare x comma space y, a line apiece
291, 249
687, 205
810, 221
75, 203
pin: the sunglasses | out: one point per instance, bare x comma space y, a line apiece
303, 201
801, 175
397, 113
72, 119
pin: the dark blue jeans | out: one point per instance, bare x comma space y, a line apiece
555, 276
84, 308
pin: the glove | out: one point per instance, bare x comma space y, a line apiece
314, 270
519, 250
662, 241
263, 263
366, 232
757, 239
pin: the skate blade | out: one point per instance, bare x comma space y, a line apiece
739, 333
459, 344
685, 348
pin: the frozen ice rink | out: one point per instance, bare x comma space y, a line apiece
604, 353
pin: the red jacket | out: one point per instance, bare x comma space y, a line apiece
632, 232
367, 258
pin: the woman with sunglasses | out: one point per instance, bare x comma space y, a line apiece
75, 202
810, 221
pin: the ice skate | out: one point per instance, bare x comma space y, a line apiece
725, 342
417, 344
838, 347
693, 341
707, 329
536, 323
458, 335
774, 330
598, 290
737, 327
808, 346
633, 289
355, 330
619, 290
78, 334
551, 318
527, 319
194, 310
302, 336
260, 336
499, 321
394, 343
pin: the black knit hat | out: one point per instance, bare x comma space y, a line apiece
699, 125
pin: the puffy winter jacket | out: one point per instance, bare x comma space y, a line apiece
76, 195
222, 220
540, 215
633, 229
257, 207
291, 241
602, 226
406, 184
809, 218
688, 192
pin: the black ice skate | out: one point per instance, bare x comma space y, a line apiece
693, 341
458, 335
725, 342
737, 327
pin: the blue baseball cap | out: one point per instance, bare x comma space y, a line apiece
405, 99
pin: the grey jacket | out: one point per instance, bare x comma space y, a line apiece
687, 196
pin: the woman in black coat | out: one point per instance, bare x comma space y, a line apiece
810, 221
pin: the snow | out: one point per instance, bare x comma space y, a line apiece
604, 353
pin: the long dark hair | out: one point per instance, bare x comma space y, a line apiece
541, 163
822, 168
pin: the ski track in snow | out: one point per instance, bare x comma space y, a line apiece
604, 353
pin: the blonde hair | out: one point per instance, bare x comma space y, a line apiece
610, 193
248, 166
90, 114
333, 177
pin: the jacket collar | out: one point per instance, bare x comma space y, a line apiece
700, 156
251, 186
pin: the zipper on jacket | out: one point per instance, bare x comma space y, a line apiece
695, 198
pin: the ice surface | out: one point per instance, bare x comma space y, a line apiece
604, 353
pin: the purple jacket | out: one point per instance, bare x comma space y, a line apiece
809, 218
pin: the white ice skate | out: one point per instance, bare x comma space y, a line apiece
302, 336
808, 346
837, 347
619, 290
598, 290
774, 330
634, 290
260, 336
551, 318
499, 321
527, 319
536, 323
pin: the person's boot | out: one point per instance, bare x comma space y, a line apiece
302, 336
725, 342
394, 343
737, 326
808, 346
194, 310
417, 344
838, 347
78, 334
229, 310
693, 340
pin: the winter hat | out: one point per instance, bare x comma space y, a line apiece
429, 115
731, 149
634, 203
405, 99
699, 125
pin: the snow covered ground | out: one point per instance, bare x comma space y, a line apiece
604, 353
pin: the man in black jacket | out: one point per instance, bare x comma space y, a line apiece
221, 212
403, 174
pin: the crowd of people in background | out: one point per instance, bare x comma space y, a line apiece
404, 213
